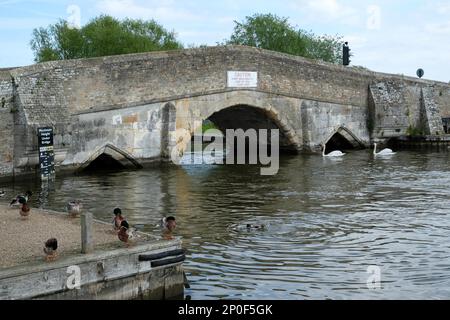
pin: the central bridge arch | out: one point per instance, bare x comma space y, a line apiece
247, 117
235, 110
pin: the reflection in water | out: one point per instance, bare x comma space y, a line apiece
326, 221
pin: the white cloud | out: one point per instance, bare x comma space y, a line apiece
165, 10
443, 8
233, 5
405, 50
207, 37
438, 28
331, 8
18, 54
356, 41
327, 10
7, 2
23, 23
226, 20
374, 17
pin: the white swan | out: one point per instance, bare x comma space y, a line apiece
384, 152
333, 153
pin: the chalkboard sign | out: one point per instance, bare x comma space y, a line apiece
46, 153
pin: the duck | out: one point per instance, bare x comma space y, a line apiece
74, 208
384, 152
168, 223
50, 247
255, 226
162, 222
336, 153
118, 218
2, 193
15, 202
126, 234
25, 209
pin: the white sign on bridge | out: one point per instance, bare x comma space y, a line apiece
242, 79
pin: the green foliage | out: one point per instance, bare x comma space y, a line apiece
271, 32
413, 131
207, 125
102, 36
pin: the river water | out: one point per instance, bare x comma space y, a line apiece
327, 221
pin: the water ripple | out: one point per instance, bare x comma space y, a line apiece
325, 223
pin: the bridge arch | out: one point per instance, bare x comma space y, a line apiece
109, 156
242, 115
342, 138
250, 117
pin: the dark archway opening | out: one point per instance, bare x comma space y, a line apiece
247, 117
338, 142
343, 140
104, 162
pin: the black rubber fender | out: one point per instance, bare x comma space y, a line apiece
164, 262
157, 256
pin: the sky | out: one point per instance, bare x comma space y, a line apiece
393, 36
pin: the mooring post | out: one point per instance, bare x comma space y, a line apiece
86, 232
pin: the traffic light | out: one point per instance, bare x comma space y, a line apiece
346, 54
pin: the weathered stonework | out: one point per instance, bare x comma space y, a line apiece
6, 123
117, 103
399, 108
431, 115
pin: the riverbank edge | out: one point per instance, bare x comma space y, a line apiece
115, 274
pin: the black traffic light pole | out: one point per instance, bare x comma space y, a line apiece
346, 54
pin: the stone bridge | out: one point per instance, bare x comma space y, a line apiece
134, 109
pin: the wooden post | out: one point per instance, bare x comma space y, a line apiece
86, 232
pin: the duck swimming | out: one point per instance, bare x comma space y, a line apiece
168, 224
256, 226
2, 194
16, 202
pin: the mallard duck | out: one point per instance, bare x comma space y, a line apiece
51, 245
126, 234
25, 209
168, 224
118, 218
74, 208
16, 202
256, 226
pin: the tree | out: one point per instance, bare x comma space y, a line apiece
102, 36
271, 32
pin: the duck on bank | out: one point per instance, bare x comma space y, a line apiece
24, 198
